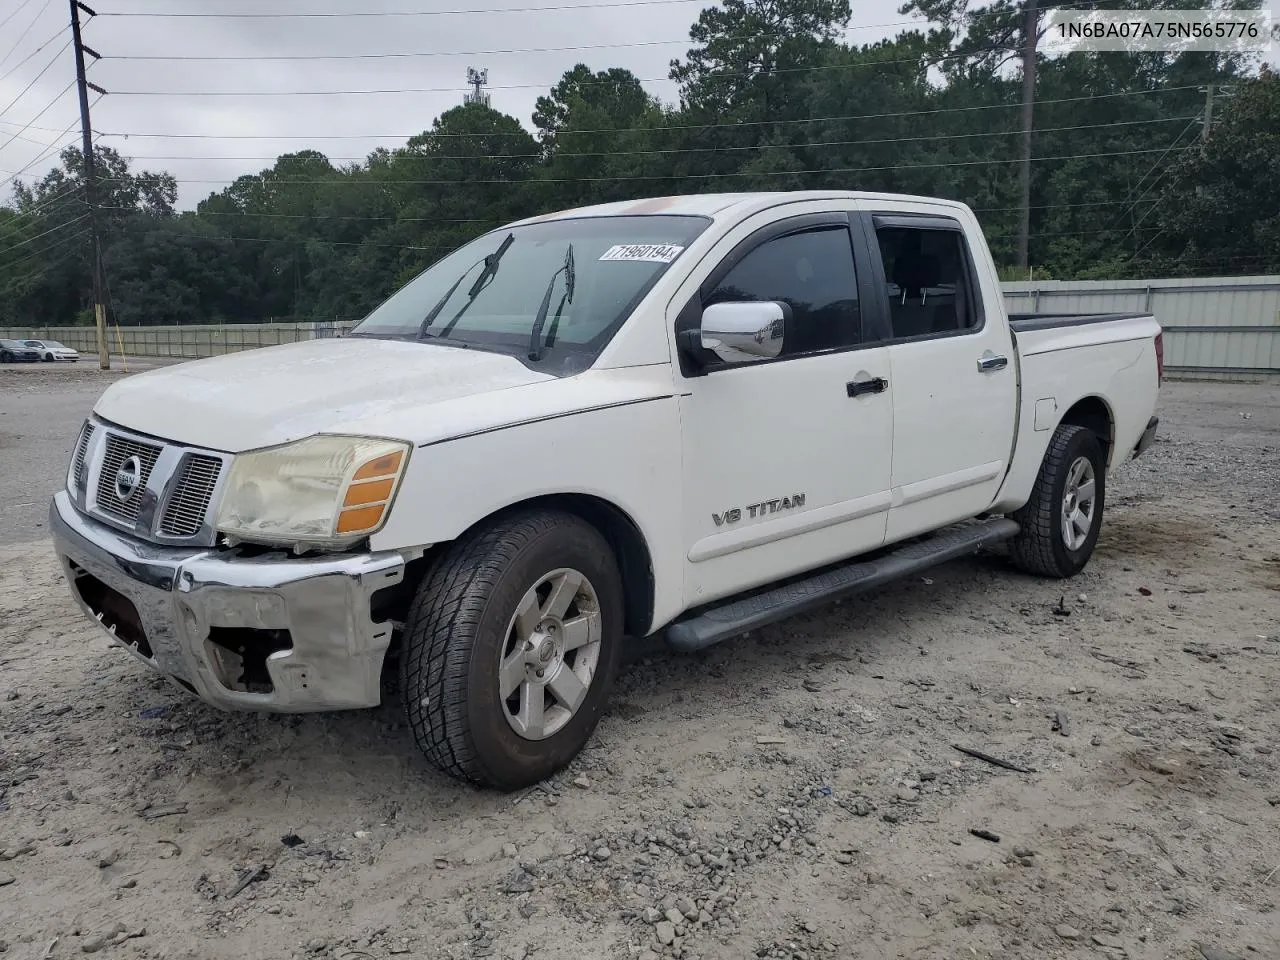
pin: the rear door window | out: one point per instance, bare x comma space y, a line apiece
928, 281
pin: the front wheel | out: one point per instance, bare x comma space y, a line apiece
48, 358
1061, 521
510, 647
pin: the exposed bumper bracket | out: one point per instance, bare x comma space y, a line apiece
183, 601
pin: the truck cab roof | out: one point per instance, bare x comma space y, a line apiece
731, 206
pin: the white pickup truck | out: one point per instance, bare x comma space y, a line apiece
694, 415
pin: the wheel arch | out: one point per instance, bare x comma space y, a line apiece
630, 549
1094, 414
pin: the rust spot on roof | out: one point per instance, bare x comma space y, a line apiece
653, 205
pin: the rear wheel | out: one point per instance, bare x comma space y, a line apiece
1061, 521
510, 647
5, 356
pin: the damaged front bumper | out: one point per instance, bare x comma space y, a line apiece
273, 633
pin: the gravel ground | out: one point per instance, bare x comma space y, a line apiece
41, 406
793, 794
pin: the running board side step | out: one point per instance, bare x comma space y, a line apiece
739, 616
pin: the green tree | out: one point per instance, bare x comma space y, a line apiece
1221, 211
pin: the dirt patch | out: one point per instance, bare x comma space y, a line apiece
1133, 534
795, 793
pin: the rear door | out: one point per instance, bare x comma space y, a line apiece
786, 460
952, 371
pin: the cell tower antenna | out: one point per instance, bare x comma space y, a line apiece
477, 80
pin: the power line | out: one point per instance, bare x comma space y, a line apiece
697, 176
1051, 206
275, 15
23, 36
1152, 185
61, 226
716, 75
34, 53
58, 244
46, 109
16, 10
742, 74
48, 65
329, 216
50, 150
307, 240
38, 143
666, 127
348, 14
685, 150
49, 201
32, 277
1146, 213
252, 215
54, 264
271, 57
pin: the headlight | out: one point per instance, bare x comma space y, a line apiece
322, 491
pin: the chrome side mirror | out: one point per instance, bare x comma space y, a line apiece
735, 332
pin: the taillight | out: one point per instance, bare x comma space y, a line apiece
1160, 357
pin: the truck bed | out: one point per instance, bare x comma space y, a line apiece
1026, 322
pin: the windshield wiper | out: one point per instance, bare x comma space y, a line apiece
490, 268
535, 337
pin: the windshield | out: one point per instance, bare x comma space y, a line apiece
488, 294
32, 343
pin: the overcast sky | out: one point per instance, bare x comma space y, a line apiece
160, 96
642, 38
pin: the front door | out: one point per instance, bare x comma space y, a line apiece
953, 372
786, 460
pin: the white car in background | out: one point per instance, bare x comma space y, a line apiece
51, 350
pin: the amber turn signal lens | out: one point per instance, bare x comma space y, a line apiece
373, 491
386, 465
360, 519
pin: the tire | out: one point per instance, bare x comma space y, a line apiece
1045, 546
48, 358
6, 357
463, 623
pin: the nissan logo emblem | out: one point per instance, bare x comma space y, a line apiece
127, 478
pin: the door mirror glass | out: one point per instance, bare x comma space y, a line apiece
735, 332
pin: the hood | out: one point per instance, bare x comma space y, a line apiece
272, 395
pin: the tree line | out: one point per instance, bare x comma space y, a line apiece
1126, 179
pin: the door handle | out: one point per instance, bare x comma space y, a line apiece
990, 362
857, 388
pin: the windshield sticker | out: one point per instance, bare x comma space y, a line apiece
643, 252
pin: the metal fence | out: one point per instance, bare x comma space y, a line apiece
1219, 328
1215, 328
187, 342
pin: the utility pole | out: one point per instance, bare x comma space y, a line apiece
1030, 34
1208, 112
90, 181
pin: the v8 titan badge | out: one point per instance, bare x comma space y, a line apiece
643, 252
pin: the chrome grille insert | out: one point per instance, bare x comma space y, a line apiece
116, 451
185, 510
86, 434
